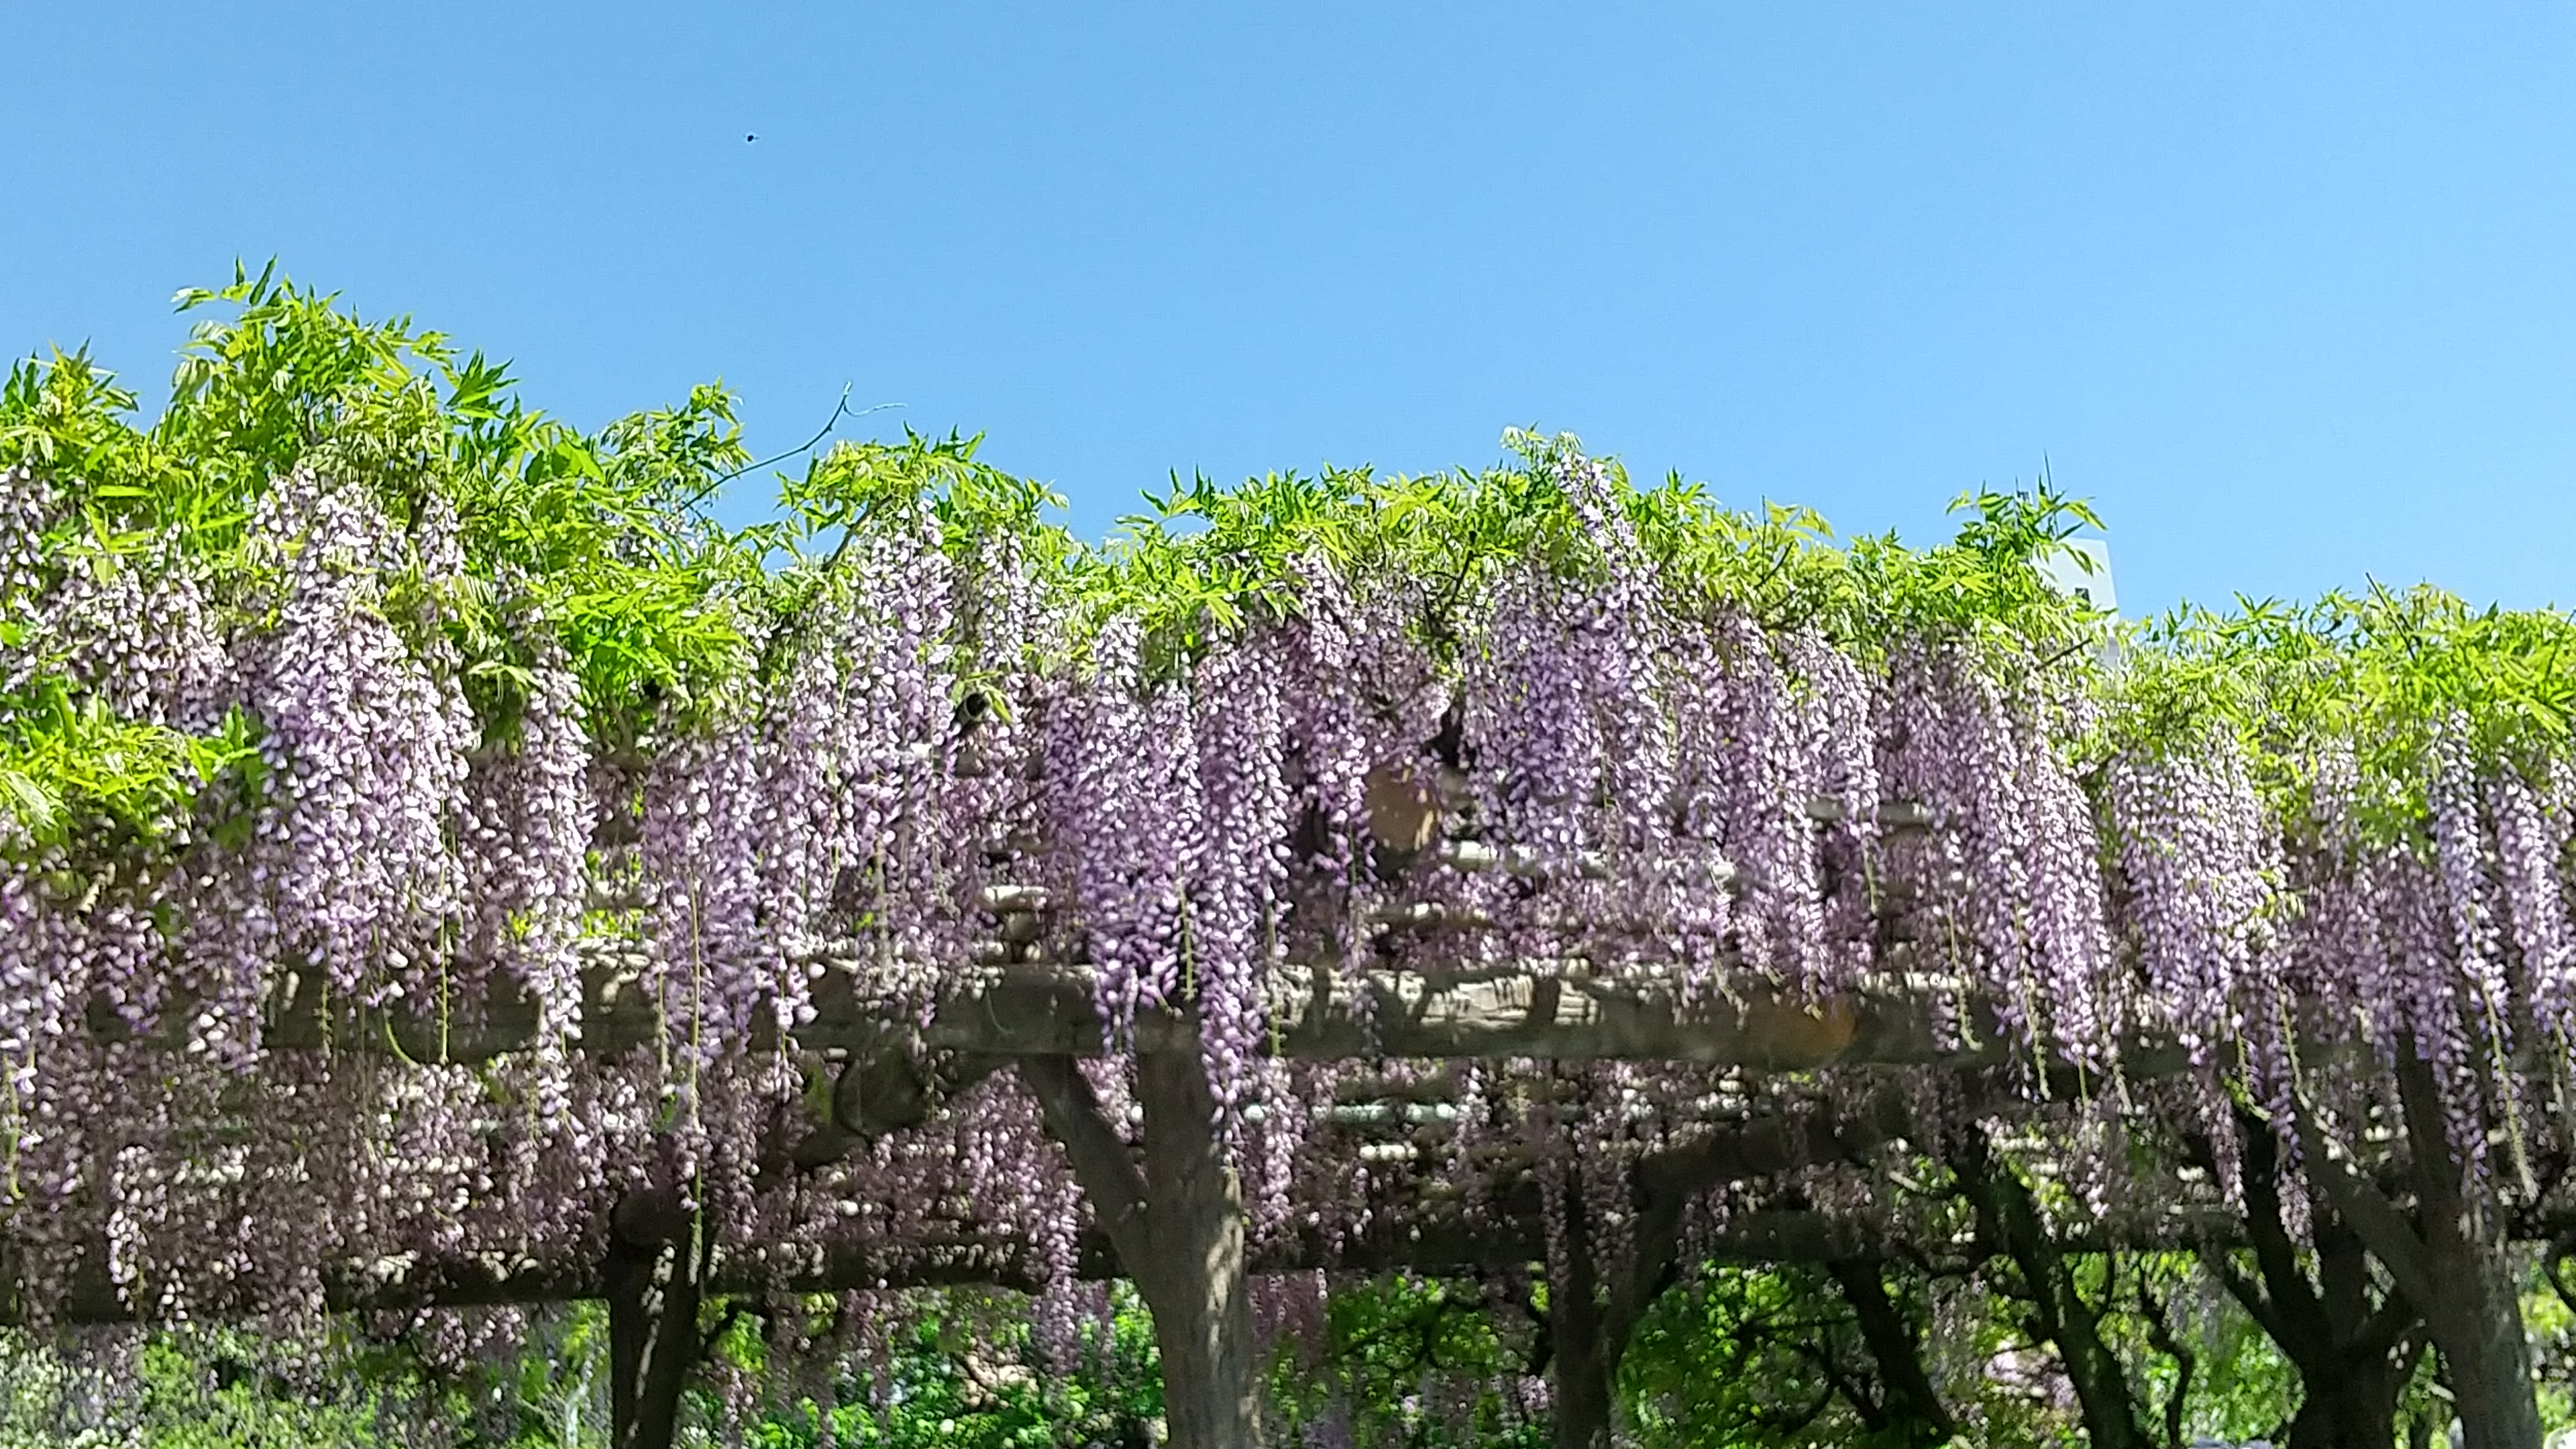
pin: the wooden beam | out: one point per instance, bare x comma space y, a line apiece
1039, 1010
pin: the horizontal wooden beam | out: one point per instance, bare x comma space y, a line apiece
1038, 1010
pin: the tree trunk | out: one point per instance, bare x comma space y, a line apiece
653, 1276
2353, 1343
2485, 1357
1195, 1279
1905, 1390
1178, 1227
1580, 1355
2356, 1411
1593, 1316
2474, 1316
2009, 1221
2351, 1376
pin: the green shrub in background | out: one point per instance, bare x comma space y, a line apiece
1418, 1363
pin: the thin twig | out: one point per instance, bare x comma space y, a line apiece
840, 410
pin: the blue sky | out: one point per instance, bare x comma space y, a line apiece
2286, 289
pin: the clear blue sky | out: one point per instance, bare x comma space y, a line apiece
2287, 289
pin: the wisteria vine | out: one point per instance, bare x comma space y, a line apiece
322, 766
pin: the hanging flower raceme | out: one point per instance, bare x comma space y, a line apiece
2196, 859
858, 746
367, 737
715, 966
1235, 931
2531, 843
1125, 819
1771, 776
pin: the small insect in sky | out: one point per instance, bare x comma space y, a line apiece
751, 138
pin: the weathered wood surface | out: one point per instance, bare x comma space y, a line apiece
1035, 1010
